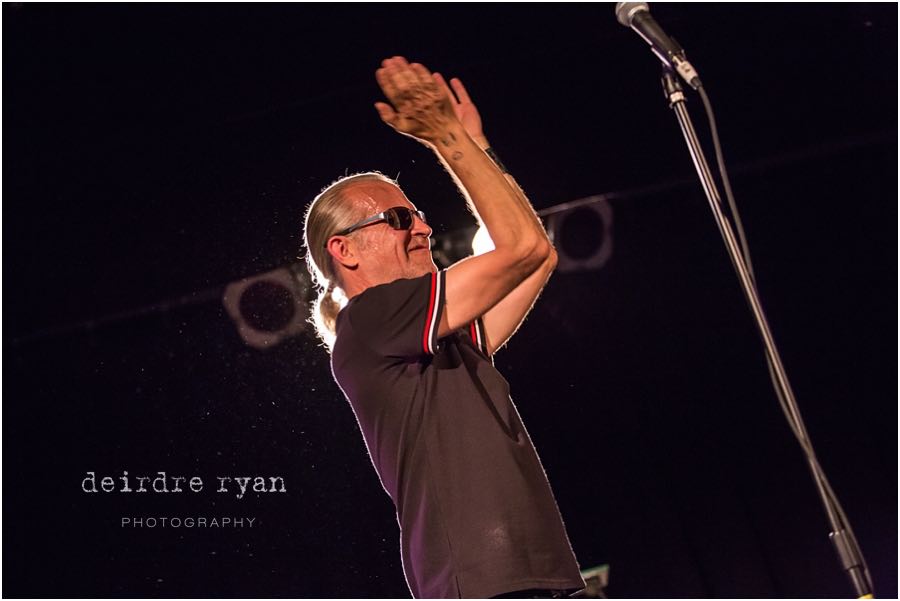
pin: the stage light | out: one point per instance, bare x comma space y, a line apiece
481, 241
581, 231
269, 307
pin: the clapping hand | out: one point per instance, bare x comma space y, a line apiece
419, 107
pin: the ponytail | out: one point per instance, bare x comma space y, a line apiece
331, 211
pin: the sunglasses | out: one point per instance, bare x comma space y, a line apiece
399, 218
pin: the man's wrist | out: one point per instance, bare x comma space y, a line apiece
449, 137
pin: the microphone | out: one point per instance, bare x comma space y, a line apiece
636, 15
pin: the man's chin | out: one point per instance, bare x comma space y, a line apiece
420, 269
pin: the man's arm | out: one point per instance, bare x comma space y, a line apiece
422, 110
502, 321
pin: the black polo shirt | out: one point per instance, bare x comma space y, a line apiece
477, 515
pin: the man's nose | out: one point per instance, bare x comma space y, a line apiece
420, 227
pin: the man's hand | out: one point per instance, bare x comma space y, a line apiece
464, 108
421, 107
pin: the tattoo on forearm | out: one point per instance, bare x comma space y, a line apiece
447, 141
456, 155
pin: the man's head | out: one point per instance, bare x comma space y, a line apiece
395, 245
372, 253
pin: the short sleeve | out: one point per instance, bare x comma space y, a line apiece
476, 333
400, 319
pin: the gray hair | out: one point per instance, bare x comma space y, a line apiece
330, 212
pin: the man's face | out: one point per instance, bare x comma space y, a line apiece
386, 254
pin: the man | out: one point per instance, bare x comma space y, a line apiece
412, 348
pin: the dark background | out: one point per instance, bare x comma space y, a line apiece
152, 152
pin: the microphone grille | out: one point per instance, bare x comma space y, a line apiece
625, 11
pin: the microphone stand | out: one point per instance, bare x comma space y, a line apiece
841, 534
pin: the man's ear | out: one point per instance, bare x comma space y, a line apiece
343, 250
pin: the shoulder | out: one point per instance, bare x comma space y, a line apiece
396, 318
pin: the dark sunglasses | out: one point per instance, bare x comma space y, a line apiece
399, 218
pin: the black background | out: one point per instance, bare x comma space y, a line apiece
158, 151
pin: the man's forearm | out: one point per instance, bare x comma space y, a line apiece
502, 320
483, 143
497, 200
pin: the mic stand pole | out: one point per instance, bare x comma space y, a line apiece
841, 533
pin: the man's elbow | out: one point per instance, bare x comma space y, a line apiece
552, 259
527, 256
546, 256
536, 254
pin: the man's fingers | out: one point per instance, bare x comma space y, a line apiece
442, 84
399, 73
421, 72
394, 62
460, 90
391, 78
386, 112
386, 83
401, 81
400, 61
406, 78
